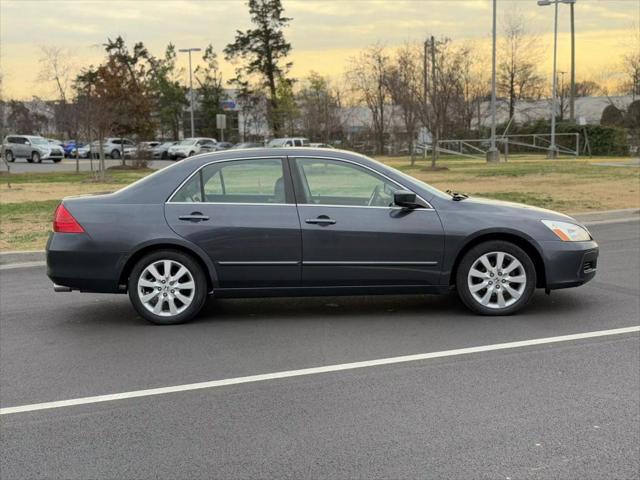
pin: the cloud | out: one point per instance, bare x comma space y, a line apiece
323, 33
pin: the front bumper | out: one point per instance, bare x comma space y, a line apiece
52, 156
569, 264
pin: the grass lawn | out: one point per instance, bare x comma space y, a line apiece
568, 185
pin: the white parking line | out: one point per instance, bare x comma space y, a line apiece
312, 371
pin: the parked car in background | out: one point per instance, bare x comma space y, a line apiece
161, 151
289, 142
32, 148
145, 149
321, 145
83, 150
56, 142
70, 147
224, 145
191, 146
300, 222
118, 147
112, 147
247, 145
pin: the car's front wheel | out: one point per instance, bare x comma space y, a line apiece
167, 287
36, 158
496, 278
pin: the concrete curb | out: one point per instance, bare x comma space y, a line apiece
25, 258
15, 257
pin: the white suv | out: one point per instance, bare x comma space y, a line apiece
191, 146
289, 142
32, 147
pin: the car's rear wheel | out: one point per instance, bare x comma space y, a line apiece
8, 155
115, 154
496, 278
167, 287
35, 157
57, 160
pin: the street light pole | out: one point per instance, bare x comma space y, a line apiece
572, 98
189, 50
493, 155
553, 149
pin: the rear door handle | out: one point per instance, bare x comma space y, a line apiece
322, 220
194, 217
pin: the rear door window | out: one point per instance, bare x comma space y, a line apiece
238, 181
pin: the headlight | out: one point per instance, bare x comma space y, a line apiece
568, 232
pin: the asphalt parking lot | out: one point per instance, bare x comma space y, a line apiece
562, 409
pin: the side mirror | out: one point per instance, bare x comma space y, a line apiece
406, 199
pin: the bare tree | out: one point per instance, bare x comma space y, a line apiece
631, 65
366, 76
518, 78
56, 68
474, 82
403, 81
319, 105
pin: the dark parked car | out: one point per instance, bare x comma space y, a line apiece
301, 221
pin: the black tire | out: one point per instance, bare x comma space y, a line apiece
57, 160
8, 156
115, 154
199, 297
191, 154
470, 258
164, 156
36, 158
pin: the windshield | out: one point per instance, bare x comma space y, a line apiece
188, 141
422, 184
38, 141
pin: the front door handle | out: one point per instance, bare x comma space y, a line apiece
321, 220
194, 217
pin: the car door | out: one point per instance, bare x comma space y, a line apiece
242, 213
23, 147
353, 235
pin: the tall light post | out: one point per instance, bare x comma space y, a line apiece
572, 98
189, 50
493, 155
552, 152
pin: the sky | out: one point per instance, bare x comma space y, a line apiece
324, 34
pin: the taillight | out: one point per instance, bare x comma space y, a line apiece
63, 221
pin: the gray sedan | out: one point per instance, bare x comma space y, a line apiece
304, 221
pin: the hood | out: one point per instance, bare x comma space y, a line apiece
514, 208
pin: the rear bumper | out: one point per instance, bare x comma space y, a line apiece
569, 264
74, 261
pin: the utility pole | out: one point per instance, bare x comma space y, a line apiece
434, 135
493, 155
572, 99
189, 50
552, 151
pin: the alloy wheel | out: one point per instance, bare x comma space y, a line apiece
166, 288
497, 280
